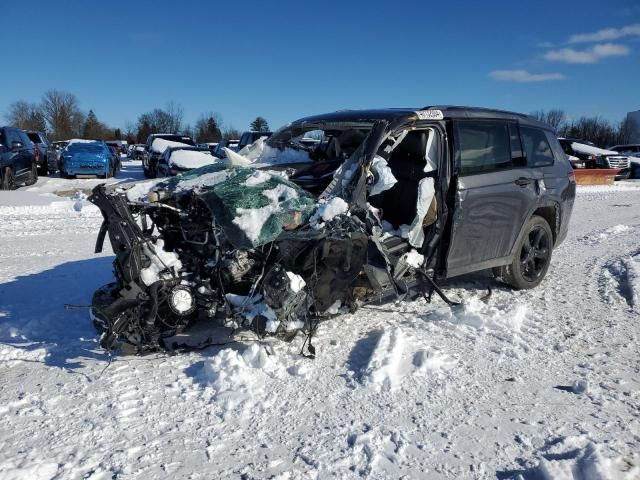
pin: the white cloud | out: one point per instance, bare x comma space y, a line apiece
523, 76
591, 55
607, 34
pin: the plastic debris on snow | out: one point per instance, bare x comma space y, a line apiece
328, 210
251, 220
385, 179
191, 159
160, 261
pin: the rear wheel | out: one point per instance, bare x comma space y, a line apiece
33, 176
533, 256
7, 179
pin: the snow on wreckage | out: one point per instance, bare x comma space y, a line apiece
275, 249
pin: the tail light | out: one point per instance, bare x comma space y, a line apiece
36, 153
572, 176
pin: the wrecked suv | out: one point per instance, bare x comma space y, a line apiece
383, 205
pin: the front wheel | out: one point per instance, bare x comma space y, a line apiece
7, 179
532, 258
33, 176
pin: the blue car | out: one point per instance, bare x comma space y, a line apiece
87, 158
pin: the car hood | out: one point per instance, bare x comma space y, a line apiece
252, 207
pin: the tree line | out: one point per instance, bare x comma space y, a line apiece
595, 129
59, 114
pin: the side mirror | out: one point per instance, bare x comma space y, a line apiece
16, 145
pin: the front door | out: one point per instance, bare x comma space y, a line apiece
496, 191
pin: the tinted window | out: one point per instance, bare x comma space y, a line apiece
2, 139
34, 137
85, 147
536, 147
483, 147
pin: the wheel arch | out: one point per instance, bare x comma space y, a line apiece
551, 213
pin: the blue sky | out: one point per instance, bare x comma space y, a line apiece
284, 60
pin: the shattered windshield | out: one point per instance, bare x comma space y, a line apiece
304, 144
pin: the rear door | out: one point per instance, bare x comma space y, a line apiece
496, 191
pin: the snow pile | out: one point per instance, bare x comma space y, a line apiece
251, 220
191, 159
591, 150
139, 191
383, 370
259, 154
480, 315
206, 180
414, 259
159, 145
384, 176
578, 458
161, 260
11, 470
257, 178
239, 379
296, 282
252, 307
10, 355
328, 210
616, 229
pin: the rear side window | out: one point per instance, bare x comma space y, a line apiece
483, 147
536, 147
34, 137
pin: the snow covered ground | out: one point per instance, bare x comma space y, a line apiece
533, 384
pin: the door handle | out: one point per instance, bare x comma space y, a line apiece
523, 182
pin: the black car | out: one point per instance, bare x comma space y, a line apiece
47, 161
386, 206
150, 160
590, 156
247, 138
17, 159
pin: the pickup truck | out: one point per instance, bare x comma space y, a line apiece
17, 159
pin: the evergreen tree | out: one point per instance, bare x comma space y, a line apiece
259, 125
91, 128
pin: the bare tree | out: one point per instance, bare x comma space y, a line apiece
175, 114
626, 129
231, 133
556, 118
63, 116
27, 116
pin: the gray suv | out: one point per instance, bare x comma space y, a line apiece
385, 205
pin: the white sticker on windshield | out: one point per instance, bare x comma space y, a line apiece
430, 114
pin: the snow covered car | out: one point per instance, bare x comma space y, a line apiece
83, 158
156, 144
284, 234
594, 157
176, 160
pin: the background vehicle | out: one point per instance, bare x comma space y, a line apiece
137, 151
247, 138
219, 152
88, 158
17, 159
176, 160
633, 152
46, 154
150, 162
595, 157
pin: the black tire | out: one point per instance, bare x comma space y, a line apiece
43, 169
532, 258
33, 176
7, 182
